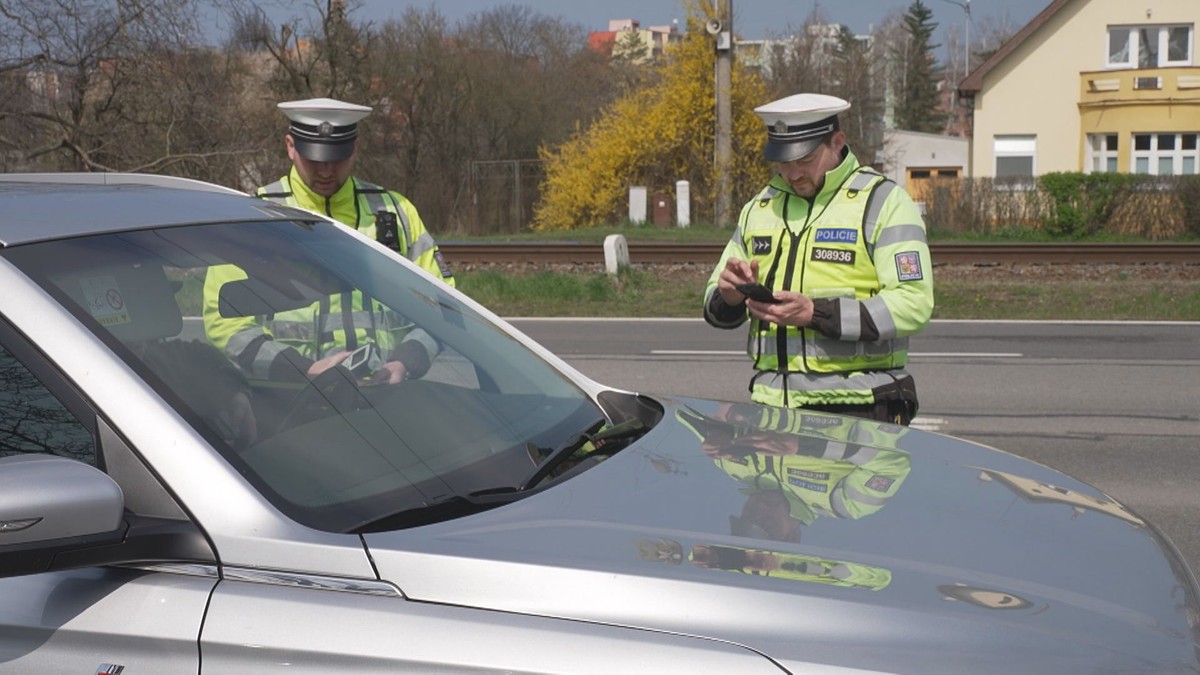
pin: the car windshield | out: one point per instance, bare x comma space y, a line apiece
338, 451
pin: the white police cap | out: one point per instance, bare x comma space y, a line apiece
796, 125
323, 129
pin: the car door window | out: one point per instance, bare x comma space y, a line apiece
33, 420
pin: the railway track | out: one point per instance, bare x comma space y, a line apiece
707, 254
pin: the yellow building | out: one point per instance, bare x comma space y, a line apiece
1093, 86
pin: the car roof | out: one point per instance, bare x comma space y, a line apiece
40, 207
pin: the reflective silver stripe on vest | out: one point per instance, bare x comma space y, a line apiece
768, 194
878, 310
834, 450
271, 192
331, 322
302, 334
863, 497
267, 353
898, 234
859, 381
849, 310
871, 216
861, 181
422, 245
260, 366
838, 504
863, 455
740, 240
822, 347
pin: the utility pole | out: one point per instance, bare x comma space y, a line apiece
965, 6
722, 28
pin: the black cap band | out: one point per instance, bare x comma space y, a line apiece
324, 132
782, 133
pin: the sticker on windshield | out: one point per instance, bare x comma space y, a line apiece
104, 300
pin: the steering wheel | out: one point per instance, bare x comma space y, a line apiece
333, 390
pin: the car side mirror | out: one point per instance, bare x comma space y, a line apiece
51, 505
60, 514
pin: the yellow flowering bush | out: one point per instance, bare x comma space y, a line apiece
654, 136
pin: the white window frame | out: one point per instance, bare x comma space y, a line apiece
1162, 42
1187, 49
1102, 153
1014, 145
1154, 155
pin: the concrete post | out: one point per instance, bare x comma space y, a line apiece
616, 253
637, 204
683, 203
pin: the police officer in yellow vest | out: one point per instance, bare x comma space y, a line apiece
322, 140
842, 253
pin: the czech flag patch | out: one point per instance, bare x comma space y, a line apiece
908, 266
880, 483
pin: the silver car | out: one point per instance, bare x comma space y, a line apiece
164, 509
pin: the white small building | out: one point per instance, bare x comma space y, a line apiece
911, 157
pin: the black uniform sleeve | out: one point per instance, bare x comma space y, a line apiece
724, 313
414, 357
288, 366
827, 319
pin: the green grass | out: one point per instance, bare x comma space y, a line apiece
633, 293
1130, 300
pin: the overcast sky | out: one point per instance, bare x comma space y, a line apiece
752, 18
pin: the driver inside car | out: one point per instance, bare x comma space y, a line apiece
212, 387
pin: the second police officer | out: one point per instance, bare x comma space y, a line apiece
322, 142
842, 254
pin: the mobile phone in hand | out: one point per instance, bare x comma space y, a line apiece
757, 292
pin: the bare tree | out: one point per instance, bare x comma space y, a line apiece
856, 72
988, 35
32, 421
464, 109
804, 62
93, 85
828, 58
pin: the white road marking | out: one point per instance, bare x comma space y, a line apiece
928, 423
714, 352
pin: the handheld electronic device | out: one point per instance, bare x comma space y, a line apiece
757, 292
364, 360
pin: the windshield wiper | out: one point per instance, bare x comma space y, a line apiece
445, 507
604, 442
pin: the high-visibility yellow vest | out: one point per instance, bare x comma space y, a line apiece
359, 204
861, 242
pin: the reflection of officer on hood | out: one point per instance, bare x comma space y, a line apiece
791, 566
765, 563
796, 467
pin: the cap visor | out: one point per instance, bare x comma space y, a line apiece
323, 152
787, 152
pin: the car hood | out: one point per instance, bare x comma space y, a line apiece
820, 539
